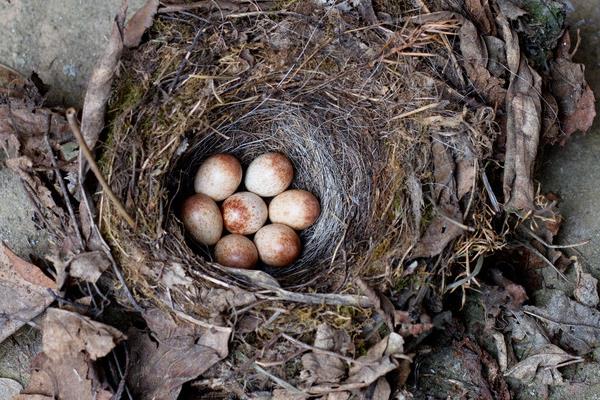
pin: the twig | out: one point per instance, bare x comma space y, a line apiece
576, 360
106, 249
546, 319
257, 13
203, 324
455, 222
122, 383
278, 380
318, 350
281, 362
416, 111
71, 117
61, 183
548, 262
467, 278
320, 298
12, 317
490, 192
185, 59
552, 246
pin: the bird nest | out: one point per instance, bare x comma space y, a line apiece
357, 109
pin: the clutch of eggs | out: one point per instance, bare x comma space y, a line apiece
245, 212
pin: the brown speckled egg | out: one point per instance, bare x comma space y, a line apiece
202, 219
278, 245
297, 209
244, 213
236, 251
269, 174
218, 177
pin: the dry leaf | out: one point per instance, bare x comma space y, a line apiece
541, 365
496, 55
67, 333
73, 379
89, 266
338, 396
222, 300
12, 83
9, 388
523, 127
65, 370
282, 394
379, 360
380, 302
480, 13
23, 292
575, 97
514, 294
137, 25
23, 130
551, 132
175, 276
586, 290
325, 368
475, 58
441, 230
100, 82
510, 10
408, 326
380, 390
571, 324
174, 353
465, 177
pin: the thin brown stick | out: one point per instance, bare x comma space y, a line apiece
71, 117
318, 350
284, 384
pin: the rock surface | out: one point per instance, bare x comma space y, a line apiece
573, 171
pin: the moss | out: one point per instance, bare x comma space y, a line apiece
541, 28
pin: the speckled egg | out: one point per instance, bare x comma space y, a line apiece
236, 251
269, 174
202, 219
297, 209
218, 176
278, 245
244, 213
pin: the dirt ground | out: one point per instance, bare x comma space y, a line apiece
61, 40
573, 171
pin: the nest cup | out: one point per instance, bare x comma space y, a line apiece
330, 160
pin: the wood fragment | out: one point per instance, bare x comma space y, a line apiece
71, 117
